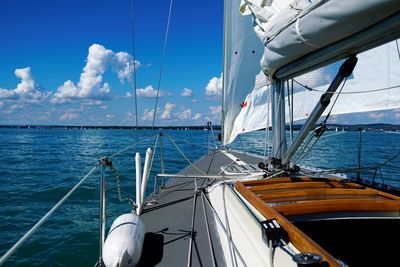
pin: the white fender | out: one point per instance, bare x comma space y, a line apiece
123, 246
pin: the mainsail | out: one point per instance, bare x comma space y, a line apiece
374, 84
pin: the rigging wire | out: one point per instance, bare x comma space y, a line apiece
398, 49
348, 93
134, 72
162, 63
305, 152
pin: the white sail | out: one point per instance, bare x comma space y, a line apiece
373, 86
242, 49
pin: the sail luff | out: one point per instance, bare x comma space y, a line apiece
224, 69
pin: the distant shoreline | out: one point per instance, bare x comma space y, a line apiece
334, 127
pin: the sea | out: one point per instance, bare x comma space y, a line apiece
39, 166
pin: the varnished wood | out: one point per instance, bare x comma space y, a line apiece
292, 179
338, 205
318, 191
312, 184
301, 241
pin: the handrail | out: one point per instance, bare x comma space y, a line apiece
28, 234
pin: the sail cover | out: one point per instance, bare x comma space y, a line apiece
242, 52
304, 27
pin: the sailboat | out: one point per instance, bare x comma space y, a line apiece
234, 209
231, 208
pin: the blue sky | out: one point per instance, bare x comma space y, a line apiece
71, 62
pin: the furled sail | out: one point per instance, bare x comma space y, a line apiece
242, 51
308, 34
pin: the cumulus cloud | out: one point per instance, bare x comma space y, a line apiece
186, 114
109, 117
27, 91
166, 114
187, 92
148, 115
197, 116
214, 87
90, 85
149, 92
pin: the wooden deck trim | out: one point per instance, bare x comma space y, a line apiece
293, 179
337, 205
317, 191
301, 241
312, 184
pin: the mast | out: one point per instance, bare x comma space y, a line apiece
278, 122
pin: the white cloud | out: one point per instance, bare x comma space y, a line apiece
195, 100
92, 102
124, 66
129, 117
216, 114
187, 92
26, 91
104, 107
149, 92
215, 110
186, 114
109, 117
167, 110
69, 115
197, 116
14, 107
214, 88
90, 85
1, 104
148, 115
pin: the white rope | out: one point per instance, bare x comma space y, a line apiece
42, 220
183, 155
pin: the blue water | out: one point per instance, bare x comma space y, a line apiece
38, 167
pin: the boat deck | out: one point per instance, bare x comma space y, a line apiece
169, 222
285, 198
181, 230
